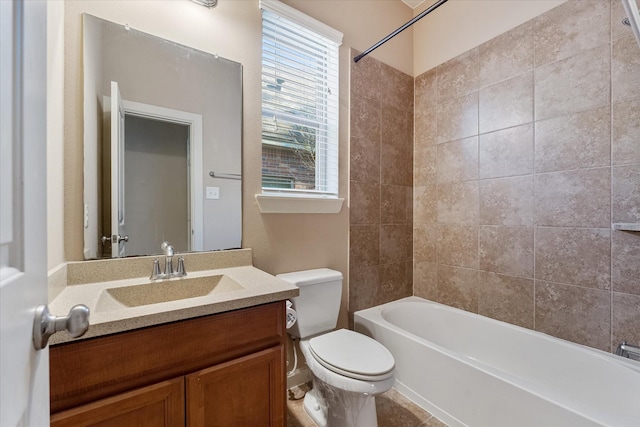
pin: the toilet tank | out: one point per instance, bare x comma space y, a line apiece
318, 304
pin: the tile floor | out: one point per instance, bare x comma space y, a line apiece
394, 410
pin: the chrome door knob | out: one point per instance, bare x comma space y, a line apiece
115, 239
45, 324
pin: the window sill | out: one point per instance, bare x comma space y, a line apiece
298, 204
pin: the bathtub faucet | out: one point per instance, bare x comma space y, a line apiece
629, 351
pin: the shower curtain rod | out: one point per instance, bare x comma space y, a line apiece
399, 30
633, 17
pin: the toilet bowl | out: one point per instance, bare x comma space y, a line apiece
349, 369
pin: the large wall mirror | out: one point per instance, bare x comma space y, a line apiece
162, 145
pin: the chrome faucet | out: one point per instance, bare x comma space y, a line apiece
629, 351
168, 258
168, 273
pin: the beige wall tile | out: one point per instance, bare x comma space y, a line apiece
408, 200
425, 204
507, 250
625, 69
618, 29
575, 145
457, 118
408, 268
364, 280
458, 202
458, 287
366, 80
580, 140
571, 28
458, 76
396, 164
425, 280
425, 127
396, 88
381, 186
365, 160
580, 198
458, 160
574, 313
458, 245
506, 298
578, 83
365, 119
425, 170
505, 104
364, 245
395, 282
425, 241
625, 262
365, 203
396, 242
506, 152
426, 90
506, 201
626, 193
625, 319
396, 127
508, 55
393, 204
576, 256
626, 132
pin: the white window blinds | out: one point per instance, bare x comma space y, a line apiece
299, 102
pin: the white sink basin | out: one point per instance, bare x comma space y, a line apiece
164, 291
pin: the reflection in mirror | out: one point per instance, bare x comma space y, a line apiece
162, 145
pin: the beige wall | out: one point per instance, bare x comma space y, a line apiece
460, 25
526, 152
233, 30
364, 23
55, 134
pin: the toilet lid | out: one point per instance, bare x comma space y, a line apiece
352, 354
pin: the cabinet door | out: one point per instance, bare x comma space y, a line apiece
248, 391
158, 405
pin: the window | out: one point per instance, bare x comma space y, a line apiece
299, 103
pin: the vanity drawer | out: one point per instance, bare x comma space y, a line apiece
92, 369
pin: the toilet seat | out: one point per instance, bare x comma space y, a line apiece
353, 355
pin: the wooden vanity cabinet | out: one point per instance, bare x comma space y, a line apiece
225, 369
160, 405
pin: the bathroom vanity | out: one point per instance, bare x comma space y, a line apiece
228, 367
219, 357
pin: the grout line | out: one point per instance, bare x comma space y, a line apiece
533, 182
611, 180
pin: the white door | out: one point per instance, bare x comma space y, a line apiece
118, 235
24, 372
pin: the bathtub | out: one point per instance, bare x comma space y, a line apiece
470, 370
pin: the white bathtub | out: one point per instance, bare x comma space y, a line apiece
469, 370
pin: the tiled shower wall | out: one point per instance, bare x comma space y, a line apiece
527, 149
381, 184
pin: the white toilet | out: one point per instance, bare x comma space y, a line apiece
349, 369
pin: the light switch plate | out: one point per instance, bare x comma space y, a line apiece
213, 193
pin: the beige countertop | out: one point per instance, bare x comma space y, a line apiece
240, 287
